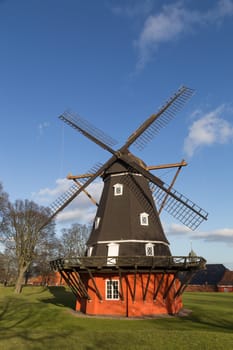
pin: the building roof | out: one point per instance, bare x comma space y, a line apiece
227, 279
211, 275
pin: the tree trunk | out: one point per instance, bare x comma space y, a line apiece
20, 279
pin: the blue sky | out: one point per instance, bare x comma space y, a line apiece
115, 63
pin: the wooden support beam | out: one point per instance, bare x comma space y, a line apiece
86, 192
134, 283
147, 285
121, 286
79, 283
95, 285
132, 291
170, 187
184, 285
170, 286
75, 284
165, 166
82, 176
158, 288
67, 280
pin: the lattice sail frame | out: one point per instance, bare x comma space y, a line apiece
165, 114
62, 201
176, 204
186, 211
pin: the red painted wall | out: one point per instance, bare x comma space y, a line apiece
225, 289
52, 279
132, 306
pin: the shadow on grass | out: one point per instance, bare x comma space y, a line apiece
61, 296
213, 322
23, 322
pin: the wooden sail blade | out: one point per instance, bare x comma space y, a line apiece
171, 185
75, 177
176, 204
160, 119
179, 206
79, 184
66, 198
94, 134
61, 202
166, 166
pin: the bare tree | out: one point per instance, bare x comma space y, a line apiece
73, 240
3, 208
22, 225
8, 267
45, 251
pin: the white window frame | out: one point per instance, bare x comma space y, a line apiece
113, 250
97, 222
144, 219
112, 289
89, 251
118, 189
149, 249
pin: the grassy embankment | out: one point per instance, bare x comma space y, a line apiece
42, 319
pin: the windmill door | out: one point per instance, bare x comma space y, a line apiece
113, 250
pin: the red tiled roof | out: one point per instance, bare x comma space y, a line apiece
227, 278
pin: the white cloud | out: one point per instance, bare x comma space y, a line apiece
47, 195
78, 215
177, 229
223, 235
80, 210
208, 130
173, 22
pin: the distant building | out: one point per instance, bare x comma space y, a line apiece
226, 283
216, 277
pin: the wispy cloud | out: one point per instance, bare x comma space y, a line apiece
173, 22
42, 126
208, 130
80, 210
133, 8
222, 235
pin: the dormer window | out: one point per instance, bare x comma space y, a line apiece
149, 249
113, 250
118, 189
97, 222
144, 219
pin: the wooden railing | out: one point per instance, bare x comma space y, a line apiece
134, 262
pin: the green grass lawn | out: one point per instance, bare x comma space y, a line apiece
41, 318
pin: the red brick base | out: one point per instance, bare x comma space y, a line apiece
141, 295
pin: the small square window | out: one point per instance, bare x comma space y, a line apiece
149, 249
118, 190
144, 219
112, 289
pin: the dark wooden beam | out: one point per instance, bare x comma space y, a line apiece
95, 285
147, 285
158, 287
170, 286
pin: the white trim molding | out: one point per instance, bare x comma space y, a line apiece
133, 241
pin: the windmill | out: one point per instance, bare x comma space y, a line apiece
128, 269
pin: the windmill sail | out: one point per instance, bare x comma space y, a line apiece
157, 121
84, 127
179, 206
176, 204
